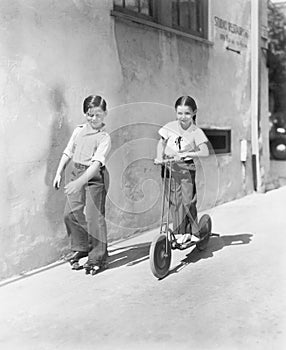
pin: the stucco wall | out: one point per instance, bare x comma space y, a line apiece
161, 66
53, 54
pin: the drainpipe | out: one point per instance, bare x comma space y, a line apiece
255, 100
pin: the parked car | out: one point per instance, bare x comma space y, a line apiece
277, 136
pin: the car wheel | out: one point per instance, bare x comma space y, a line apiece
278, 148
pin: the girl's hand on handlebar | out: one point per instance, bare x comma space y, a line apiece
177, 158
185, 155
158, 161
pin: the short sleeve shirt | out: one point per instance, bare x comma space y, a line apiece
87, 145
179, 139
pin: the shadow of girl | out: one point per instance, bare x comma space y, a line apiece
215, 244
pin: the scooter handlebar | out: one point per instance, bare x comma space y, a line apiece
169, 160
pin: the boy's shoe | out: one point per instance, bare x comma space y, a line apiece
74, 258
91, 268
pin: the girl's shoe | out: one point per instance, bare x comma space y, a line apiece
187, 237
195, 238
184, 238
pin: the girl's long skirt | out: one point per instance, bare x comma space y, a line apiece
183, 201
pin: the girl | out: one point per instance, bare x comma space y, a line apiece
87, 148
183, 141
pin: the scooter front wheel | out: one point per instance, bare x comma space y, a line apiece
160, 256
205, 227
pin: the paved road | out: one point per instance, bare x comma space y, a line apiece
232, 296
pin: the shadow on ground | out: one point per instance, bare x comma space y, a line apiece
130, 255
134, 254
137, 253
215, 244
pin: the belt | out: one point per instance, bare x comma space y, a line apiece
80, 166
84, 167
190, 161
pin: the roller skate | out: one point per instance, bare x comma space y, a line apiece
74, 260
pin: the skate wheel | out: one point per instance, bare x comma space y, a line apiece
160, 256
75, 265
94, 271
205, 227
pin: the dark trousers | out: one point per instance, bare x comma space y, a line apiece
183, 201
84, 216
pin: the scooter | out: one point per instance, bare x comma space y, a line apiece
163, 244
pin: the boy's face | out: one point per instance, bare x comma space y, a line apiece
95, 117
185, 116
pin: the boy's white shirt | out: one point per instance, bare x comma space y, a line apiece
95, 150
189, 139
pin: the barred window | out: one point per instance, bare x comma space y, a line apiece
141, 7
189, 16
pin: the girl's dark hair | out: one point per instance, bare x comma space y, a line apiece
94, 101
187, 101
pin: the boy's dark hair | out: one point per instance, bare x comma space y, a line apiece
187, 101
94, 101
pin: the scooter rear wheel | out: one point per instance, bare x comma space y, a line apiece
205, 227
160, 256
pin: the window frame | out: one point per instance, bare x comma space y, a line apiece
203, 19
213, 132
129, 12
162, 18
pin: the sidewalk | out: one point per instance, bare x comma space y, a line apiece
238, 289
257, 209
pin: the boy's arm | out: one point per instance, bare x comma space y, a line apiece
76, 185
62, 164
90, 172
66, 157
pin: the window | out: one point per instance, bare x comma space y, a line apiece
189, 16
220, 140
138, 7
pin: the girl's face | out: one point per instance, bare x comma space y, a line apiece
185, 116
95, 117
